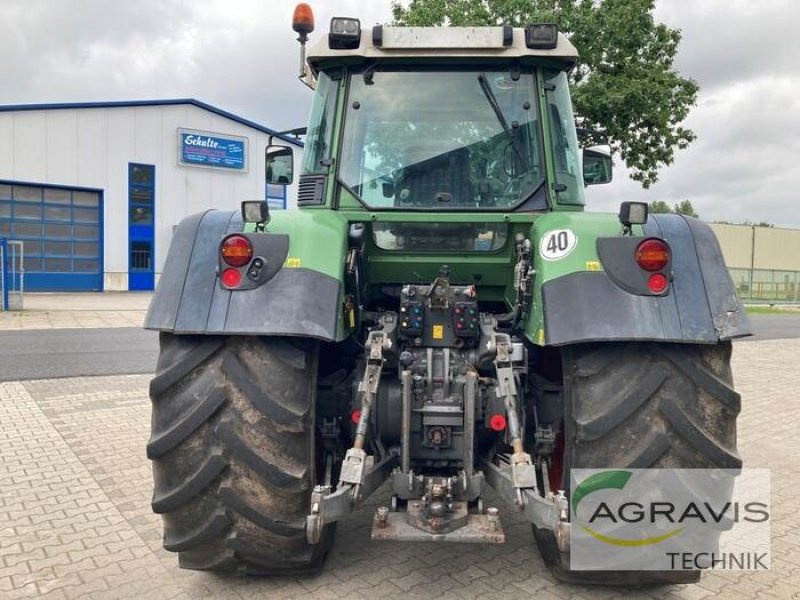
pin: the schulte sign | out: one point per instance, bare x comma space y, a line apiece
206, 149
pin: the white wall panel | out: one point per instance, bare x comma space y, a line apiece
92, 148
30, 153
147, 135
7, 145
60, 148
121, 144
777, 249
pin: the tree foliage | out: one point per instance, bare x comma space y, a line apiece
624, 86
682, 208
659, 207
685, 208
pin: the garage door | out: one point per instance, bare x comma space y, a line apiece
61, 231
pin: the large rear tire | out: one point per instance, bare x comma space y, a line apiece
644, 406
233, 451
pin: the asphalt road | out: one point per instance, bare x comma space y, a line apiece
775, 327
52, 353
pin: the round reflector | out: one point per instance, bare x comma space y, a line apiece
652, 254
657, 283
236, 250
355, 416
497, 422
231, 278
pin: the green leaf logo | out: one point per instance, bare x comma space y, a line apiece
615, 480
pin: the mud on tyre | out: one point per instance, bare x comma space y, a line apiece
644, 405
233, 451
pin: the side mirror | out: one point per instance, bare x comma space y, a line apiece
596, 167
279, 165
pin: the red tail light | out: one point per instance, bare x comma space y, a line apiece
355, 416
497, 422
231, 278
657, 283
652, 254
236, 250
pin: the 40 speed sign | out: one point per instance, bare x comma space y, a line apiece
557, 244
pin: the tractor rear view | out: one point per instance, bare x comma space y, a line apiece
439, 315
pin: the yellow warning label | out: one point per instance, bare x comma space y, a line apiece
438, 332
592, 265
292, 263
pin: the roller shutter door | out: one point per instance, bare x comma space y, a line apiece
61, 229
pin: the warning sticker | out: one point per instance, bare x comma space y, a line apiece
438, 332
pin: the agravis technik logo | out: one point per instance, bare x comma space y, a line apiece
653, 519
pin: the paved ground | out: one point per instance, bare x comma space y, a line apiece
78, 310
75, 520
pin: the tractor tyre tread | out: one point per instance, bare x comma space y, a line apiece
233, 452
644, 405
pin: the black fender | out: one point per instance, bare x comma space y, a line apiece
700, 306
190, 300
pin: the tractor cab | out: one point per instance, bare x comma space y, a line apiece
458, 119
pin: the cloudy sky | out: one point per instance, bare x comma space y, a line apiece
241, 55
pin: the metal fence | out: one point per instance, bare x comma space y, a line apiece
766, 285
12, 274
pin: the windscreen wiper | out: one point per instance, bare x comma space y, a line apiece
492, 99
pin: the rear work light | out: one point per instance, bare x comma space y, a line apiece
236, 250
541, 36
652, 254
345, 34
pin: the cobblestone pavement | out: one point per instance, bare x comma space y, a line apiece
75, 520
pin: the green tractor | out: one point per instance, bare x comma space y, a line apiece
440, 314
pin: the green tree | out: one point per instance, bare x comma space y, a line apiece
624, 87
685, 208
659, 207
682, 208
750, 223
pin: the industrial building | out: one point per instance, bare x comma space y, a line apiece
764, 262
94, 190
